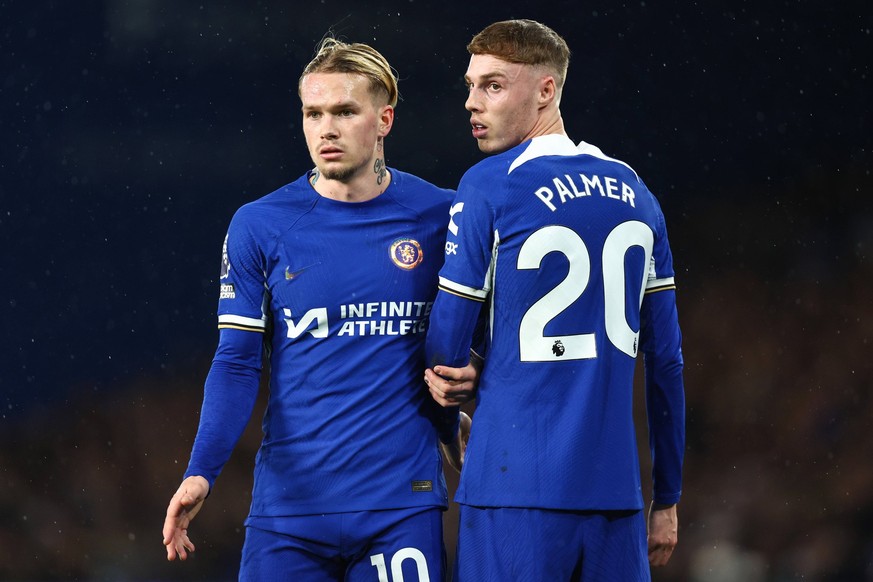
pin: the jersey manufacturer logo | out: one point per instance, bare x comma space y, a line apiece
422, 485
406, 253
291, 275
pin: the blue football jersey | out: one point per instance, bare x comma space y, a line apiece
342, 292
562, 243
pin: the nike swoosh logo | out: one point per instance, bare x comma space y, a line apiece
291, 275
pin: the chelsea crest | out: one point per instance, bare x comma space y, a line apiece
406, 253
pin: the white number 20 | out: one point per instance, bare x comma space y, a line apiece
534, 345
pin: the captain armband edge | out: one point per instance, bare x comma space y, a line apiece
243, 323
660, 285
462, 290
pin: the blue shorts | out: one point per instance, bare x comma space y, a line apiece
508, 544
364, 546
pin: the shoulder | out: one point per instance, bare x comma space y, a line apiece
410, 190
621, 169
617, 165
487, 174
415, 185
501, 166
278, 206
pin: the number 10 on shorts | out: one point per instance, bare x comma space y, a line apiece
397, 565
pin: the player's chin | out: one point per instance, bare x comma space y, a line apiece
492, 146
485, 146
338, 171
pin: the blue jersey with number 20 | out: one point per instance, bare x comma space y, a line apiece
569, 248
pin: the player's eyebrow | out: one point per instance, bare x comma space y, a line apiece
487, 77
339, 106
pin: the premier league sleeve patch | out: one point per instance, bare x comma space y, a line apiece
225, 262
406, 253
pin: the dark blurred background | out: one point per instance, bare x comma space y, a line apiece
132, 129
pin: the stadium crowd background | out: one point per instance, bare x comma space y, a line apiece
132, 129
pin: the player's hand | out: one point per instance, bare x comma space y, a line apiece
453, 386
184, 505
663, 533
456, 450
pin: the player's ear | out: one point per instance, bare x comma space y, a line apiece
386, 120
548, 90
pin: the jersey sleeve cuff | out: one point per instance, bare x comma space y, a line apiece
229, 321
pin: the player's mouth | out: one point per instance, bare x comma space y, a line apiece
330, 153
479, 130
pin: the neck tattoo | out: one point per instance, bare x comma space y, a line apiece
380, 170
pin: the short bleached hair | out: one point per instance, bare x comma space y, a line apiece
336, 56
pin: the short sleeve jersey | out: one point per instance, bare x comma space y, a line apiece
564, 242
341, 292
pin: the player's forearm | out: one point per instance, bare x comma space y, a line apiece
666, 411
451, 327
450, 332
229, 397
665, 395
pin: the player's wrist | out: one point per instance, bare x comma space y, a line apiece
476, 360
